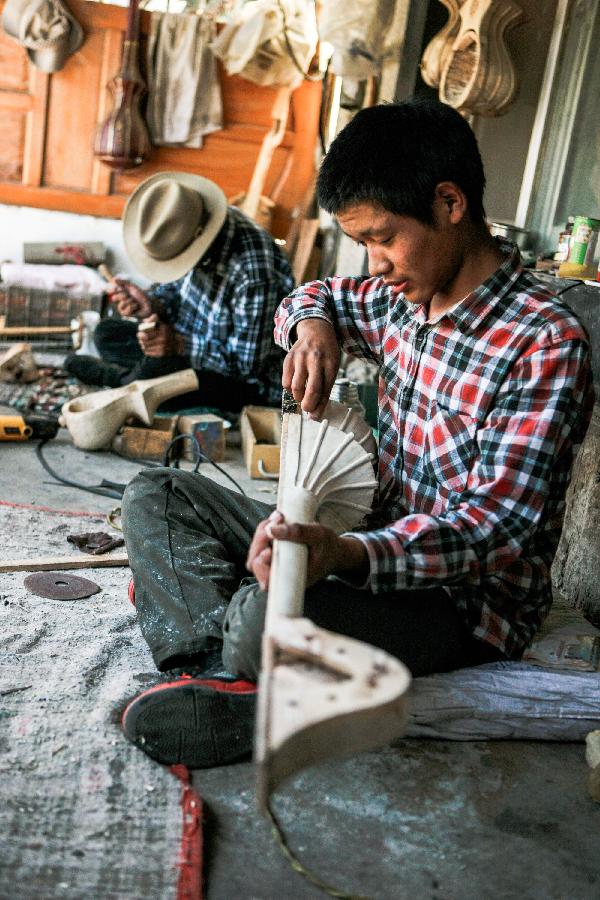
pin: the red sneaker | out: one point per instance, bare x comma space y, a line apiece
199, 723
131, 592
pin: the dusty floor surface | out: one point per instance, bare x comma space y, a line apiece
86, 816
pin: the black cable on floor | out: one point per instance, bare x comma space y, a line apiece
115, 489
202, 457
568, 288
104, 489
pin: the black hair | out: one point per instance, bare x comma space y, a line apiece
395, 155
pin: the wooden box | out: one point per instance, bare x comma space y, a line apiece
208, 433
260, 428
148, 441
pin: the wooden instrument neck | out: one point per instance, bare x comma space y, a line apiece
133, 21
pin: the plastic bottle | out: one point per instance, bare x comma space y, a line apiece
564, 241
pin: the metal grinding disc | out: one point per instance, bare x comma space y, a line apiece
60, 586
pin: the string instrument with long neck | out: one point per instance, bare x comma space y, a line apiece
321, 694
122, 140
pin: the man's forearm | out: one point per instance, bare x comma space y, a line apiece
353, 562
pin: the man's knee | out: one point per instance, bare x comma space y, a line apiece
242, 631
144, 500
138, 494
109, 330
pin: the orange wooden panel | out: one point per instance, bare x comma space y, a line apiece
12, 145
245, 102
14, 65
228, 163
36, 126
58, 198
16, 101
72, 115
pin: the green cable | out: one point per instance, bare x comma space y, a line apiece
297, 866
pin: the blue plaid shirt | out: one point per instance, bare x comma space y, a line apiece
224, 306
480, 414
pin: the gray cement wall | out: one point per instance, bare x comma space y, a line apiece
576, 569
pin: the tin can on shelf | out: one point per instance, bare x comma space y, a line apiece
580, 263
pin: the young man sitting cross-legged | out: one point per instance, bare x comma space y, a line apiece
484, 395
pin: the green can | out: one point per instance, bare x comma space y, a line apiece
585, 237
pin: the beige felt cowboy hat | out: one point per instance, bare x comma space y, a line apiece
170, 221
47, 30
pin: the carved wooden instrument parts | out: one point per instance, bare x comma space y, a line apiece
94, 419
320, 694
439, 48
473, 68
18, 364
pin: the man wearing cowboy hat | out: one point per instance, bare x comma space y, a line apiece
218, 278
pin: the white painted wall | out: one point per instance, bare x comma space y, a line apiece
22, 224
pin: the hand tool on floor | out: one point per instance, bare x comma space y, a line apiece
15, 427
321, 694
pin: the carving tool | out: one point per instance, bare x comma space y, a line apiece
110, 278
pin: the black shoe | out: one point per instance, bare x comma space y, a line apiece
198, 723
91, 370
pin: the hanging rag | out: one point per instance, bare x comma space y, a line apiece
269, 42
184, 93
359, 35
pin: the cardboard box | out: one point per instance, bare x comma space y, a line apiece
208, 433
260, 428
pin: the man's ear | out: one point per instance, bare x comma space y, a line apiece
450, 202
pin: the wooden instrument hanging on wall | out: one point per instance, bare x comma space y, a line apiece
253, 202
122, 140
439, 48
478, 76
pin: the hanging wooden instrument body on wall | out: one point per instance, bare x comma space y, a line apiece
469, 60
439, 48
122, 140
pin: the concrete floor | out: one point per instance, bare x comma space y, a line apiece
423, 819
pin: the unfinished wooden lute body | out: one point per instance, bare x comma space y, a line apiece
94, 419
469, 60
320, 694
439, 49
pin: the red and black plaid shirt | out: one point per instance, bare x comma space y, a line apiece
480, 413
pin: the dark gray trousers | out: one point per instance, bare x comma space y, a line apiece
187, 539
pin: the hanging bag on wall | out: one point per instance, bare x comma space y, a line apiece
357, 31
269, 42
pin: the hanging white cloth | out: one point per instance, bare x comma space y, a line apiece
184, 93
358, 32
269, 42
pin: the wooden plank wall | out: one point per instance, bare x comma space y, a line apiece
48, 124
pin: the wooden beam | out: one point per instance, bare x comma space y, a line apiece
51, 563
10, 330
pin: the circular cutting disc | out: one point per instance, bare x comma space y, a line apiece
60, 585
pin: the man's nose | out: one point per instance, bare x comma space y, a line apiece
379, 264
